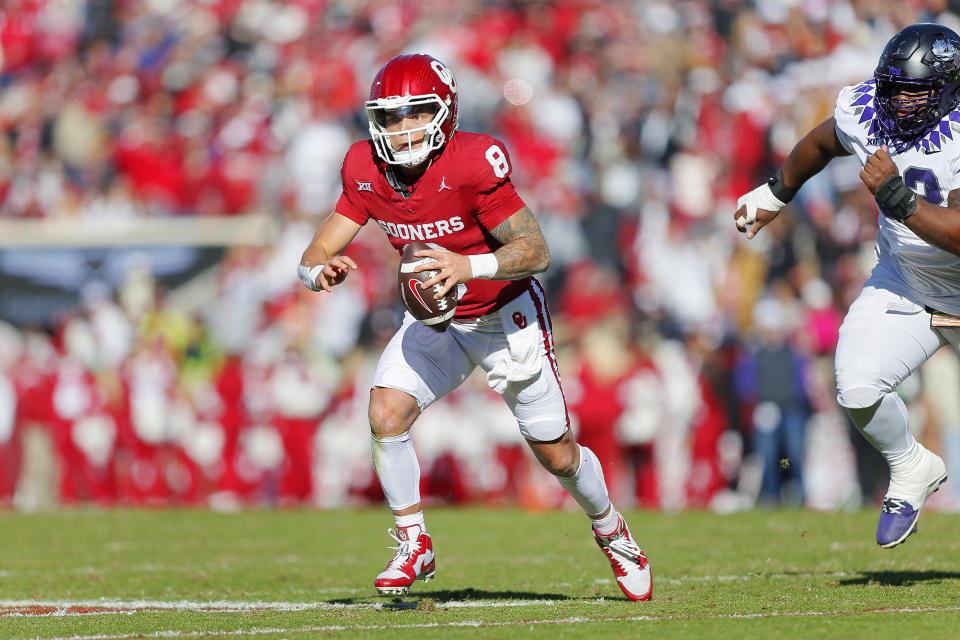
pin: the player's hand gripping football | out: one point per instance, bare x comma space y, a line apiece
878, 168
452, 269
757, 209
333, 272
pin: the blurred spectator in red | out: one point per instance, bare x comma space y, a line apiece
633, 126
11, 348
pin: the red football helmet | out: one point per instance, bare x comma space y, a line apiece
414, 84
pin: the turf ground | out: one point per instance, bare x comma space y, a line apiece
116, 574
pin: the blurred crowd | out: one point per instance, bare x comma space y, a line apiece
696, 365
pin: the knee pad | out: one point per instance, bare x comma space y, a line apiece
402, 438
859, 397
543, 430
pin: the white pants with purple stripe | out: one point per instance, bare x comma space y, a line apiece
514, 346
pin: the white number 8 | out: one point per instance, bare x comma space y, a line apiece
498, 160
446, 76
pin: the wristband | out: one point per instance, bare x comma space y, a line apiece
484, 265
781, 192
896, 199
308, 276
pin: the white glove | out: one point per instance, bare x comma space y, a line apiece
760, 198
308, 276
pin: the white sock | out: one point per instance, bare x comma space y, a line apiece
411, 520
398, 469
885, 426
587, 485
607, 524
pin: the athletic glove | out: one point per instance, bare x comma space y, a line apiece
760, 198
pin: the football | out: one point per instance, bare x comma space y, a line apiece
421, 304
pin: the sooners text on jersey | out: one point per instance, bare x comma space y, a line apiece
465, 192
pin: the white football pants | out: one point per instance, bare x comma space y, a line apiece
884, 338
428, 365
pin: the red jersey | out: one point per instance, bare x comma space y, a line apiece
465, 192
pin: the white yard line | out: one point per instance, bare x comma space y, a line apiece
754, 576
106, 606
151, 568
59, 608
176, 633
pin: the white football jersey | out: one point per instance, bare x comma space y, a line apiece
930, 167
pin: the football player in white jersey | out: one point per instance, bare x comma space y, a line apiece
904, 126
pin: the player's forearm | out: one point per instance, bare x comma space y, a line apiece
330, 239
522, 257
316, 252
313, 255
938, 225
524, 251
814, 151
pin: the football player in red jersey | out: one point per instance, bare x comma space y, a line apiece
420, 179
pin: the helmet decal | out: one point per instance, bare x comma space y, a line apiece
947, 56
446, 76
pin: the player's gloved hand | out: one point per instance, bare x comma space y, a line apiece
895, 199
322, 277
878, 167
757, 209
452, 269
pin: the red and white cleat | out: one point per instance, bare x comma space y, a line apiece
413, 561
629, 563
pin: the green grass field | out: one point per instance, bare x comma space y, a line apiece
102, 575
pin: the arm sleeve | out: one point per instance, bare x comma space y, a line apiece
497, 199
349, 205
